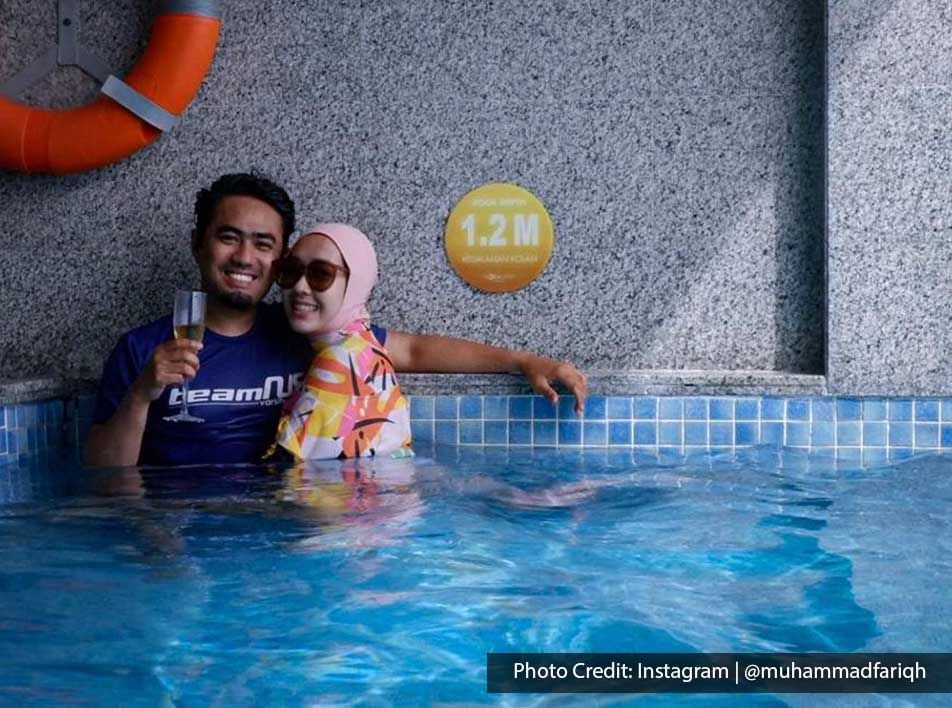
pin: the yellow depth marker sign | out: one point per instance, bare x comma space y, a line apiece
499, 237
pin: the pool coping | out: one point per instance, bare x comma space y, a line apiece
43, 389
632, 382
600, 383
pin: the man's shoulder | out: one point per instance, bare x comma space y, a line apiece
134, 348
151, 333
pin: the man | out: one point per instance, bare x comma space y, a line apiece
250, 359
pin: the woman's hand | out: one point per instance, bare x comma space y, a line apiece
542, 372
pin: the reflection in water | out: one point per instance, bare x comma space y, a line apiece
328, 580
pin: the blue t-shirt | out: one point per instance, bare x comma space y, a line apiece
238, 390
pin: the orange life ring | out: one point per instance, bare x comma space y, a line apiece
169, 73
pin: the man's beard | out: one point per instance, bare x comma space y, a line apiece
235, 301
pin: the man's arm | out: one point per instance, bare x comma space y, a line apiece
424, 353
118, 441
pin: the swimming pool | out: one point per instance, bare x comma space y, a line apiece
389, 583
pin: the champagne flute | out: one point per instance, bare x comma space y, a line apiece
188, 320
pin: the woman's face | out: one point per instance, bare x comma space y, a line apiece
310, 311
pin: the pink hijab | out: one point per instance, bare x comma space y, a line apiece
361, 259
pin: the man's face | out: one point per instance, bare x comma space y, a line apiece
237, 249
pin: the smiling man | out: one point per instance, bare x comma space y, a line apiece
249, 360
246, 366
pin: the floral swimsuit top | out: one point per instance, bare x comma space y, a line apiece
349, 404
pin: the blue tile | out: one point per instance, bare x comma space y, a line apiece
946, 438
670, 409
849, 453
946, 410
542, 409
421, 430
874, 409
23, 440
41, 409
746, 409
447, 432
771, 434
823, 433
849, 409
520, 432
900, 410
745, 433
3, 442
596, 408
619, 408
56, 410
722, 433
772, 409
545, 433
421, 407
695, 433
471, 407
872, 455
798, 409
927, 435
496, 408
82, 431
695, 409
496, 432
446, 407
900, 434
87, 403
595, 433
619, 432
471, 432
722, 409
570, 432
8, 418
824, 409
797, 435
874, 434
646, 408
647, 433
669, 433
520, 407
927, 411
900, 453
849, 433
567, 408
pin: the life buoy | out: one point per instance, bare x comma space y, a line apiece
161, 85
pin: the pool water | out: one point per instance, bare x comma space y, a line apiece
386, 583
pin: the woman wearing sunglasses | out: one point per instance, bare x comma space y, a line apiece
350, 404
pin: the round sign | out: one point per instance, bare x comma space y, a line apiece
499, 237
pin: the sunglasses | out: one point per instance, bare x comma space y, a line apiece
320, 274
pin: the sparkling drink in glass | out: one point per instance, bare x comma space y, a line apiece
188, 321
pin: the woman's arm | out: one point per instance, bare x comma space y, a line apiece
425, 353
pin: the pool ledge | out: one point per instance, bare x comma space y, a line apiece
628, 383
30, 390
600, 383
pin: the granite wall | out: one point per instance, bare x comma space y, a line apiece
890, 203
678, 146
